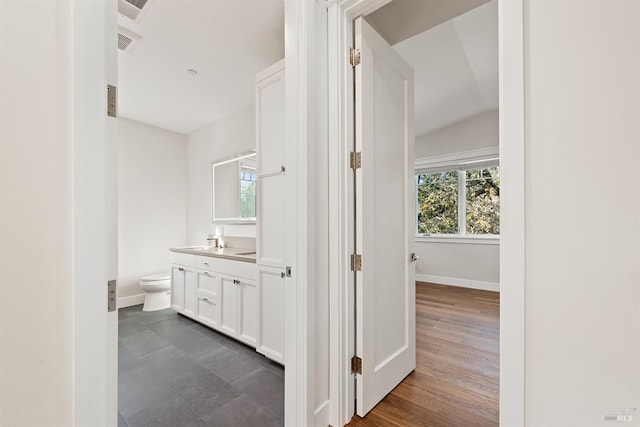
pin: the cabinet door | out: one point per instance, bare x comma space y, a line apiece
270, 119
177, 288
271, 313
207, 298
189, 292
228, 303
271, 221
270, 141
248, 311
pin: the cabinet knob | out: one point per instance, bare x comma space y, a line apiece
180, 269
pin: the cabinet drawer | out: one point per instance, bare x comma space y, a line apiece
207, 263
207, 282
183, 259
208, 310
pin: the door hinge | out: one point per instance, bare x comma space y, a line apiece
354, 57
356, 365
111, 295
356, 262
355, 159
112, 101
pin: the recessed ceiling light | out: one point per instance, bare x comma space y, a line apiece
192, 72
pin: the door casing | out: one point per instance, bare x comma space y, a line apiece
512, 251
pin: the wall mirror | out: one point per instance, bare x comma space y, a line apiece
234, 189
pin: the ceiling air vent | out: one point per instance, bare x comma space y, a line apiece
132, 8
127, 39
123, 41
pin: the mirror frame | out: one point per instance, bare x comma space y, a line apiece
230, 159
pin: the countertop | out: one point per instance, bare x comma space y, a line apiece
236, 254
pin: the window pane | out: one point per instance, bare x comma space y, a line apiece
483, 201
438, 203
247, 199
247, 192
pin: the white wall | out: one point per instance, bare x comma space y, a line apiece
152, 182
35, 211
582, 166
477, 264
232, 134
472, 265
479, 131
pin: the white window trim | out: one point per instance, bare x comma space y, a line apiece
457, 161
488, 239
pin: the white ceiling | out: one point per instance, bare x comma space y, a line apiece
229, 41
456, 68
226, 41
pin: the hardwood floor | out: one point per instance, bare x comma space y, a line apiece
456, 379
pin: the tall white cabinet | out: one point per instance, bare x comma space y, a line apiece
271, 204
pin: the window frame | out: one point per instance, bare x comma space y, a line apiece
459, 162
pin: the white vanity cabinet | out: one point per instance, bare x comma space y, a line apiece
239, 301
219, 293
183, 284
272, 235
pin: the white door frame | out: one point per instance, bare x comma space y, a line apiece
93, 58
512, 249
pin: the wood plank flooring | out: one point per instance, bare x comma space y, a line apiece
457, 375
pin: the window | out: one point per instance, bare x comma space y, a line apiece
458, 198
248, 180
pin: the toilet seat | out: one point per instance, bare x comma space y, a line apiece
156, 277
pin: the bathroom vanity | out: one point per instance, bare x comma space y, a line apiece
220, 289
239, 292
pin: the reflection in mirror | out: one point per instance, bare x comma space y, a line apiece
234, 189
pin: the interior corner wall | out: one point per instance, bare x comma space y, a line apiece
473, 265
225, 137
152, 176
582, 201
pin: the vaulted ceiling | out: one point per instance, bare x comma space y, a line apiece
455, 65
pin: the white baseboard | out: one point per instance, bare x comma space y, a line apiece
463, 283
129, 301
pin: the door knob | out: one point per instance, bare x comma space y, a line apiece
414, 257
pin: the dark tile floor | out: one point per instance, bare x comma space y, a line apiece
174, 372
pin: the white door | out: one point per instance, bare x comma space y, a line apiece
385, 288
108, 13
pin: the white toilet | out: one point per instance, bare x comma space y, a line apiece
157, 288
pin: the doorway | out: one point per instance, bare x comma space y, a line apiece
454, 194
510, 63
187, 86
